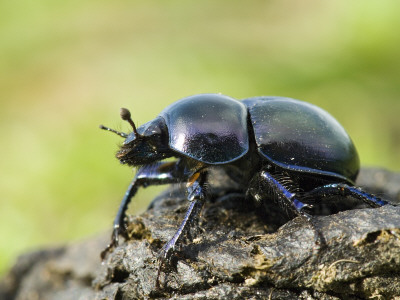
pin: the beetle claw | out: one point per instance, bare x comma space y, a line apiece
117, 231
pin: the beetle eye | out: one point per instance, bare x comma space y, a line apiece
131, 137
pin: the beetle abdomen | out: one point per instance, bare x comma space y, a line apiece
300, 136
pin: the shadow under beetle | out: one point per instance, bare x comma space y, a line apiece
268, 145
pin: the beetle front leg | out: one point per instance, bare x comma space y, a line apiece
342, 189
154, 174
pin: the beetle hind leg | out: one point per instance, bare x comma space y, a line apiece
342, 189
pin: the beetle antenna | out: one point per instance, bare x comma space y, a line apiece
122, 134
126, 116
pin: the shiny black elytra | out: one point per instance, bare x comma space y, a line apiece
266, 144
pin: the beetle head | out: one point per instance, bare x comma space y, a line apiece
145, 145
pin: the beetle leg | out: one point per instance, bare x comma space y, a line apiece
287, 198
196, 196
342, 189
154, 174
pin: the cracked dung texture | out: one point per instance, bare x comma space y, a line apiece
236, 254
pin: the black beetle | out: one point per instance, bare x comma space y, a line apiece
266, 144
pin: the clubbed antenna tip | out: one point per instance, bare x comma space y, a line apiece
126, 116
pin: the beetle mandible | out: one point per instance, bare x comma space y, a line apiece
260, 140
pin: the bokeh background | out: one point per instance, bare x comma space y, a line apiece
68, 66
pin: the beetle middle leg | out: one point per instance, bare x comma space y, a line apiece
286, 198
196, 196
284, 195
154, 174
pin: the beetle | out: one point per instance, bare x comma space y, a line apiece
267, 145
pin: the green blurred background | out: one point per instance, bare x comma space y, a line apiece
67, 66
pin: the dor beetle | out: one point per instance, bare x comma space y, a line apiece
266, 144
